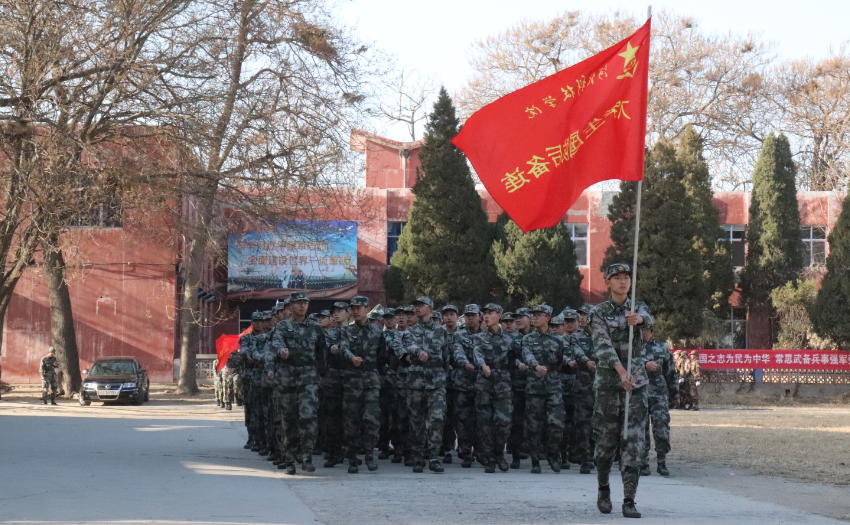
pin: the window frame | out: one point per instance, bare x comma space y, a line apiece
396, 237
571, 226
810, 241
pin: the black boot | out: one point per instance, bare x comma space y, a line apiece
662, 469
585, 468
491, 466
502, 463
554, 463
52, 401
418, 465
370, 463
447, 458
228, 407
644, 470
352, 466
515, 461
467, 461
44, 400
603, 500
289, 469
249, 444
435, 466
385, 454
398, 457
629, 510
535, 465
307, 464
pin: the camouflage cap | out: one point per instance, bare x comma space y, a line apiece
342, 305
522, 312
298, 296
543, 308
569, 314
312, 317
324, 313
437, 315
452, 307
286, 302
423, 299
471, 309
267, 315
616, 268
492, 307
277, 307
257, 316
557, 320
585, 309
693, 352
389, 312
375, 316
359, 300
408, 309
507, 316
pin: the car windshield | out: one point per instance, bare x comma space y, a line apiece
113, 368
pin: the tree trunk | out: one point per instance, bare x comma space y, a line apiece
62, 331
7, 289
187, 383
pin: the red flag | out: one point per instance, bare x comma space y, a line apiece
538, 148
226, 345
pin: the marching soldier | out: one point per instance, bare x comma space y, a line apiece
364, 356
516, 443
543, 354
450, 316
403, 452
332, 385
584, 395
493, 351
694, 378
507, 322
463, 385
246, 348
681, 359
47, 369
299, 346
389, 430
610, 323
663, 390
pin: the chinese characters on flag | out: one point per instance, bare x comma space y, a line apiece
775, 359
538, 148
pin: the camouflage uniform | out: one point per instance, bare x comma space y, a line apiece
682, 363
573, 351
246, 348
219, 397
426, 386
544, 403
401, 364
662, 383
267, 401
584, 398
462, 389
493, 397
47, 370
361, 386
227, 387
296, 382
332, 395
517, 443
611, 340
694, 371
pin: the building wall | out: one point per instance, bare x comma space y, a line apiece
122, 294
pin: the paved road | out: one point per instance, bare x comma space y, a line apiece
177, 463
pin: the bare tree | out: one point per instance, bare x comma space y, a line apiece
405, 98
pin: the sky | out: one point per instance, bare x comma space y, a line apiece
434, 36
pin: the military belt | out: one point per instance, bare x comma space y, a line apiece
496, 365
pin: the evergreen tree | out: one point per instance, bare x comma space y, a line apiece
774, 248
538, 267
717, 261
831, 311
670, 277
444, 250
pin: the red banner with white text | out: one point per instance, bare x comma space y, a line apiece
775, 359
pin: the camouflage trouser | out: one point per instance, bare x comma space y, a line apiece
608, 428
401, 422
540, 410
659, 416
49, 383
516, 443
238, 389
685, 393
427, 412
246, 401
271, 418
583, 440
386, 401
332, 414
362, 413
464, 419
219, 392
299, 408
693, 392
227, 388
568, 439
449, 430
493, 418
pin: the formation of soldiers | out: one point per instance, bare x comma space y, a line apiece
418, 387
690, 374
228, 387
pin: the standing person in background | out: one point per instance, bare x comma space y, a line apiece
610, 322
47, 369
694, 378
682, 362
663, 390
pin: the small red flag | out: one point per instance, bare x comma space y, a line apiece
226, 345
538, 148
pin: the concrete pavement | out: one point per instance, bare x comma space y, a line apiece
174, 463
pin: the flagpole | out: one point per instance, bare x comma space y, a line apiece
634, 288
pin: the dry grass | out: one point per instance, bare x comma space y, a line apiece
807, 443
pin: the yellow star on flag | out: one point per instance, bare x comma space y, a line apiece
630, 53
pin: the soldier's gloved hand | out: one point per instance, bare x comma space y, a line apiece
522, 367
423, 356
335, 349
283, 353
541, 369
572, 364
651, 366
486, 370
469, 367
356, 361
591, 366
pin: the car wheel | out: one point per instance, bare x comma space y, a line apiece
148, 393
84, 402
139, 399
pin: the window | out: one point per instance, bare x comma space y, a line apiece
108, 215
738, 248
814, 246
244, 319
578, 234
393, 232
735, 337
